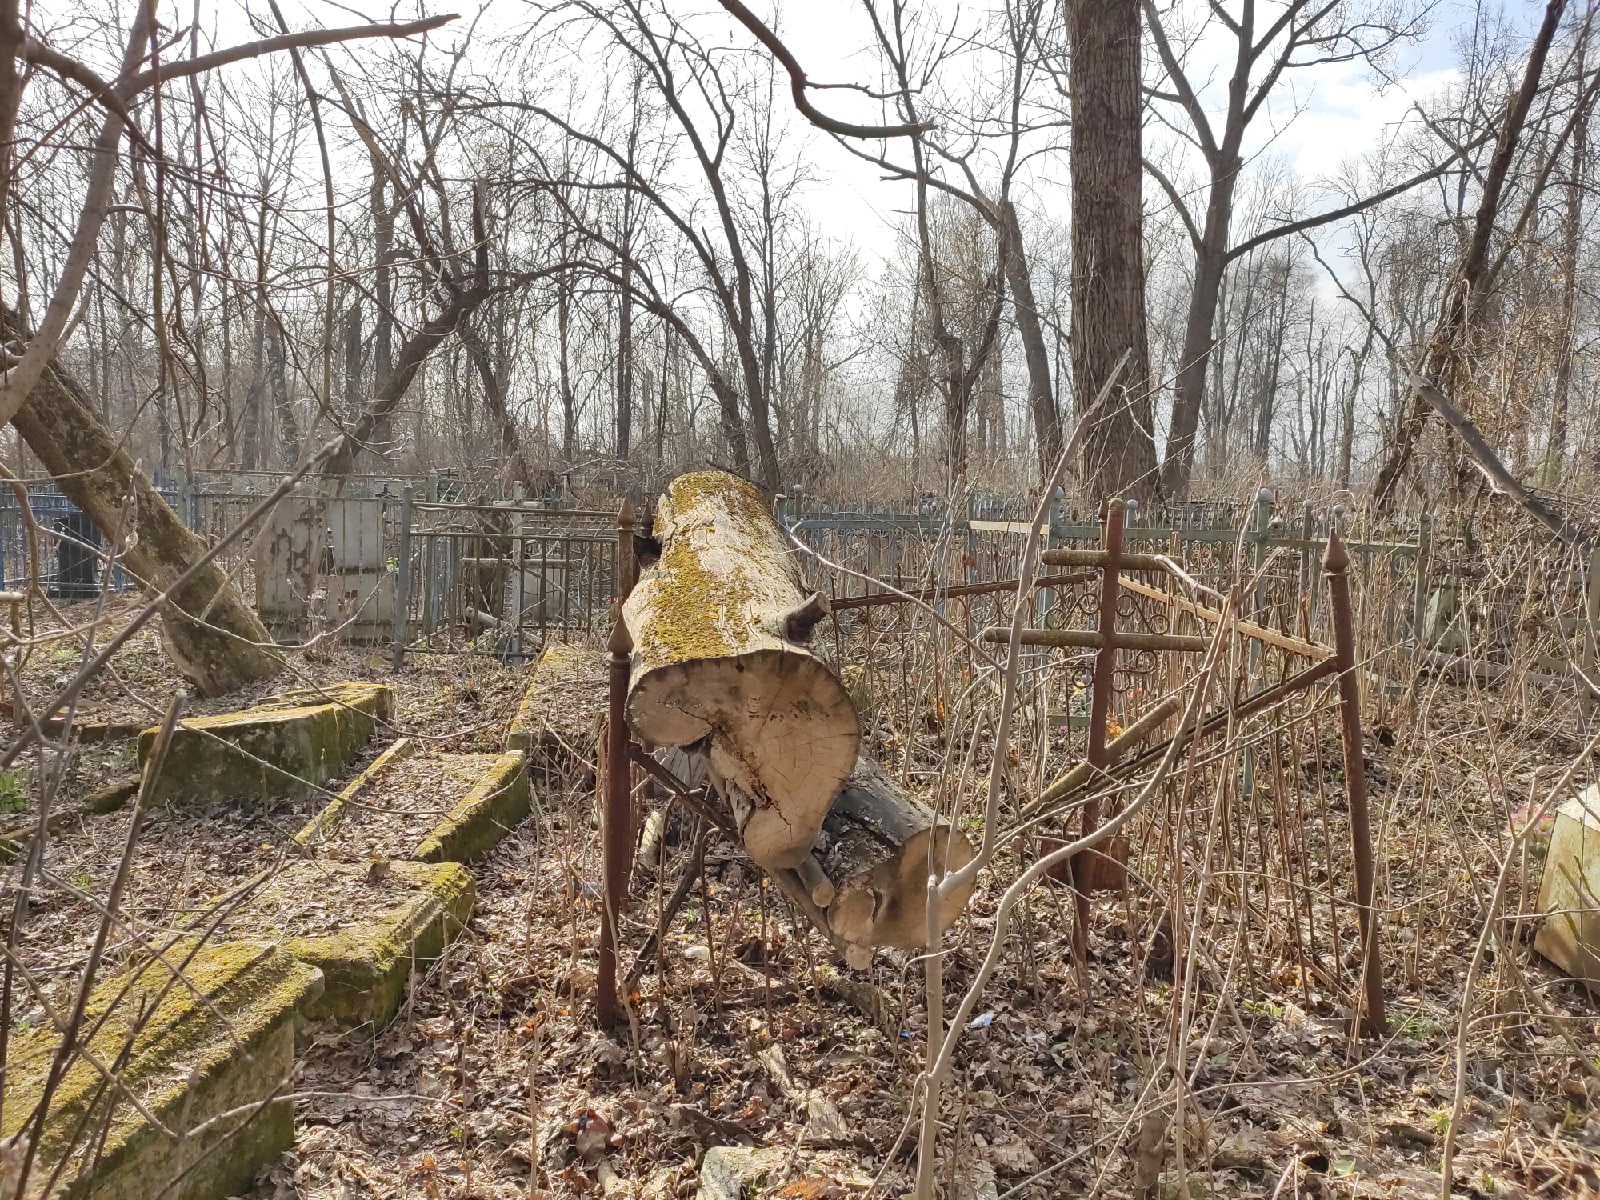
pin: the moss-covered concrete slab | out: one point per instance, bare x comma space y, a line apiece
286, 745
216, 1046
558, 722
496, 805
366, 927
424, 806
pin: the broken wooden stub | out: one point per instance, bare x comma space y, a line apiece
877, 848
719, 625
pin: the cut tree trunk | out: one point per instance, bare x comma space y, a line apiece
878, 847
213, 637
718, 624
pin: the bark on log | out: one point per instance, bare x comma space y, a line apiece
212, 636
877, 846
717, 624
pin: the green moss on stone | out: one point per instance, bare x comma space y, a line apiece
407, 917
219, 1040
286, 745
367, 966
495, 806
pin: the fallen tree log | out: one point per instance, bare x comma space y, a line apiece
865, 883
719, 624
877, 847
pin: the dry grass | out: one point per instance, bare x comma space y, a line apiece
1210, 1025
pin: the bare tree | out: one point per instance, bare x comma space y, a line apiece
1266, 46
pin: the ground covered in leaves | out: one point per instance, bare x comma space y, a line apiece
494, 1081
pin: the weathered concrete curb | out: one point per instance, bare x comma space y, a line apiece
493, 808
220, 1040
558, 722
323, 826
286, 745
367, 964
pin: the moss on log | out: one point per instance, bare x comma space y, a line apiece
718, 625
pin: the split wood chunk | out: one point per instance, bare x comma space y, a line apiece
718, 624
877, 847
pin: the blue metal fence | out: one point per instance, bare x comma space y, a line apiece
70, 547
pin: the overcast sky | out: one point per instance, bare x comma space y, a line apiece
1324, 119
1333, 114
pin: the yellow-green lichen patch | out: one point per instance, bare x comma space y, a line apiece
724, 572
366, 926
286, 745
217, 1040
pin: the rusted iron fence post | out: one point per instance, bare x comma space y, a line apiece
616, 823
1336, 564
627, 564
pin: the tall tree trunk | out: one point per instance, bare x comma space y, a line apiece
569, 402
408, 362
1347, 419
250, 419
213, 637
1108, 316
661, 406
1199, 328
494, 399
1041, 396
352, 361
383, 321
761, 422
278, 378
625, 363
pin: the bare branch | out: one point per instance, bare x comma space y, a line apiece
798, 84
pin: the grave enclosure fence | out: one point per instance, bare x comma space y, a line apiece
437, 565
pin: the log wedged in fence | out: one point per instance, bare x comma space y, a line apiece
878, 846
229, 1025
558, 722
714, 624
288, 744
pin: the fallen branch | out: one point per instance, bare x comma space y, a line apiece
1495, 471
